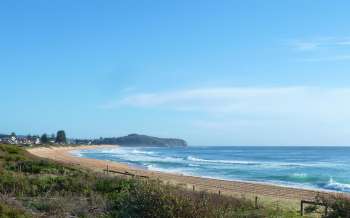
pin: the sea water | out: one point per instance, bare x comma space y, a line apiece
325, 168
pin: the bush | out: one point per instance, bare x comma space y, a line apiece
11, 212
108, 185
338, 206
153, 199
35, 167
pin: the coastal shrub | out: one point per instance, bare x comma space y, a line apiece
55, 206
154, 199
21, 184
145, 200
11, 153
70, 206
112, 184
7, 211
9, 149
11, 183
338, 206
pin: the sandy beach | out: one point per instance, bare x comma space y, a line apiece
236, 188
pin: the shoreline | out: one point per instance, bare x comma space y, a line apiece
228, 187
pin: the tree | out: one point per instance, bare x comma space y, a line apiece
44, 139
61, 137
13, 134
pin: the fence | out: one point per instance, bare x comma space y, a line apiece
303, 202
222, 189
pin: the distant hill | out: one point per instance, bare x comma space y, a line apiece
142, 140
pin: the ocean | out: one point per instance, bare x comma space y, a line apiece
325, 168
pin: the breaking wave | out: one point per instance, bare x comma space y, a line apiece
337, 186
275, 166
260, 163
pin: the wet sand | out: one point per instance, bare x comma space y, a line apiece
235, 188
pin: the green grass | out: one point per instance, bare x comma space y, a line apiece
7, 211
48, 189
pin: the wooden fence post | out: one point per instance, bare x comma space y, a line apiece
107, 169
301, 208
194, 188
256, 202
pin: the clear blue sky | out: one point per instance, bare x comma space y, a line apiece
212, 72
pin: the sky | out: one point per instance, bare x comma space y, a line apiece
226, 72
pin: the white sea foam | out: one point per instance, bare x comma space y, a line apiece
261, 163
104, 151
332, 184
300, 175
140, 156
135, 151
191, 158
194, 165
182, 171
186, 171
76, 153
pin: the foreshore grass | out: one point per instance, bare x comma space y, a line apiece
34, 187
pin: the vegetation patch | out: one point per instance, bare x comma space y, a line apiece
7, 211
48, 189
